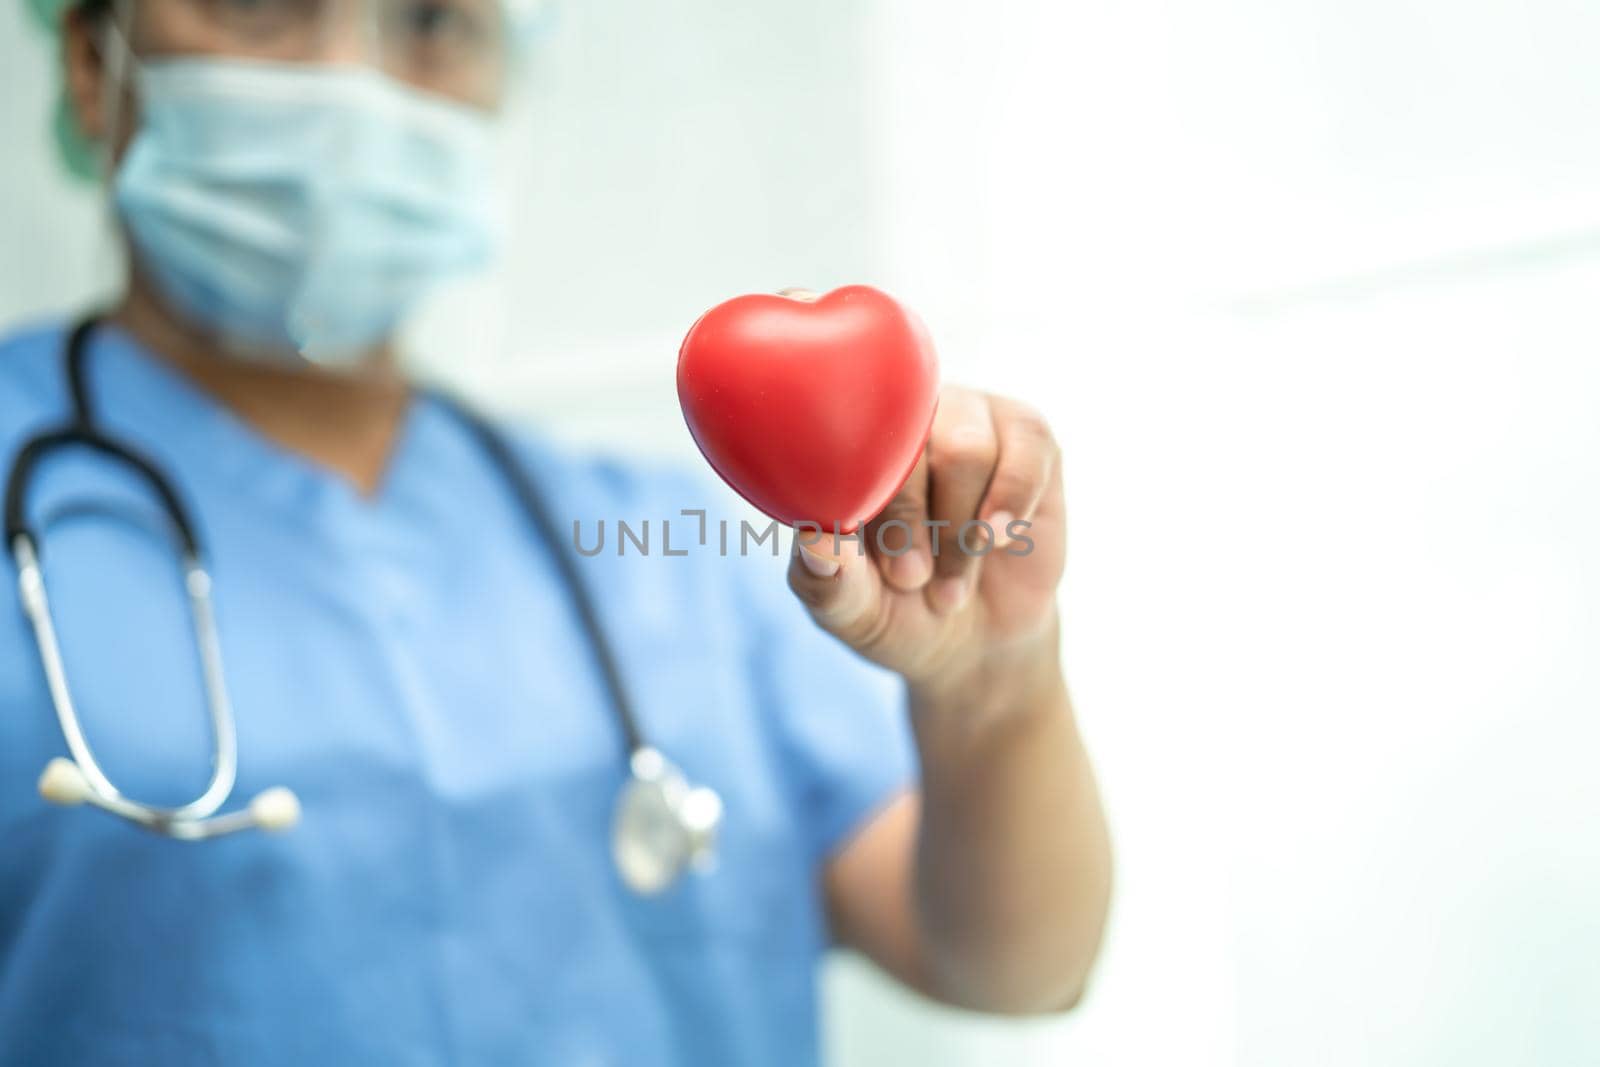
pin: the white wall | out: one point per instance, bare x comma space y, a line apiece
1308, 288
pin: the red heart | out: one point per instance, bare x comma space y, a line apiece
814, 412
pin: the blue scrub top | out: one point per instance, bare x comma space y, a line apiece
411, 666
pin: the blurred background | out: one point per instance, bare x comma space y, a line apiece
1309, 289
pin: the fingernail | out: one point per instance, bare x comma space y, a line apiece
949, 594
911, 570
998, 522
820, 566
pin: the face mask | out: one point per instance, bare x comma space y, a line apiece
297, 208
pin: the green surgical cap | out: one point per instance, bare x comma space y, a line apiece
47, 13
75, 150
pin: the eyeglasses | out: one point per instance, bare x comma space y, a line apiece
448, 45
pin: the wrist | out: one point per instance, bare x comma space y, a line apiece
1017, 677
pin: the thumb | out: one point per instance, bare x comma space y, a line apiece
837, 583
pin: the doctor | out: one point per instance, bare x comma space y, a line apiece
891, 737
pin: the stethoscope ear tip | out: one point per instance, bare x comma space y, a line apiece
62, 782
275, 809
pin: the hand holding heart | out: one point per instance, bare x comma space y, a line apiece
943, 618
814, 414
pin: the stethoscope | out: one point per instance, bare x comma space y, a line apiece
662, 823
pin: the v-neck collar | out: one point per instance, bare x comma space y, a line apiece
155, 406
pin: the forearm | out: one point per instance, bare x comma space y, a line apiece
1013, 863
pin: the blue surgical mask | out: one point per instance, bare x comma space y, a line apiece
291, 208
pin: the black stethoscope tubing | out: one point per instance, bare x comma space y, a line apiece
83, 431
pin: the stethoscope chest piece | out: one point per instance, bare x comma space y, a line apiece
662, 825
